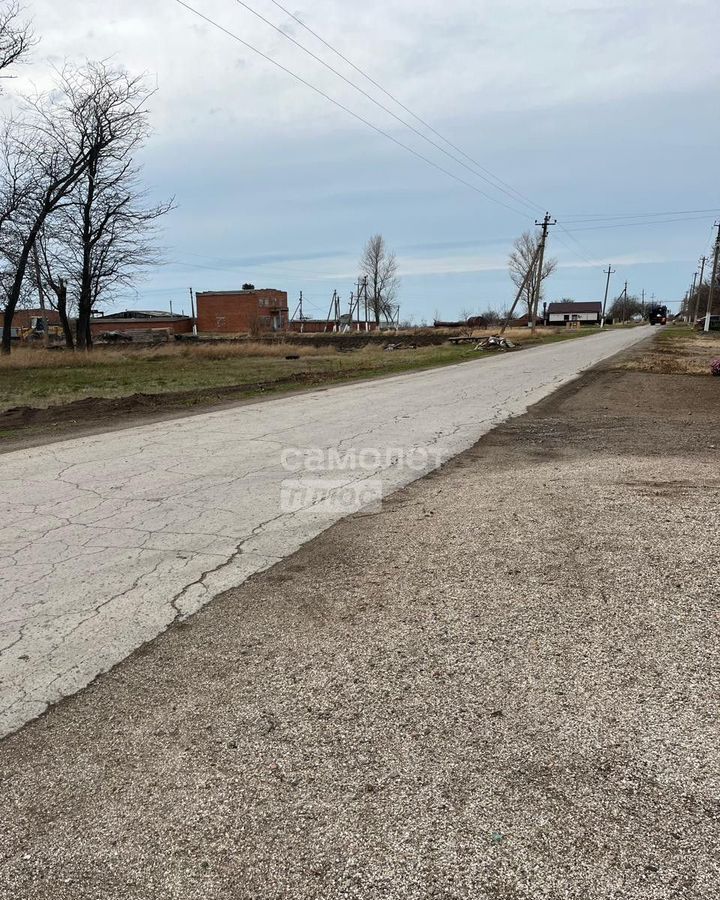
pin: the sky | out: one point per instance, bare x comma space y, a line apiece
603, 114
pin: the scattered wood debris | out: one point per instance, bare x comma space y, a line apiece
494, 342
401, 346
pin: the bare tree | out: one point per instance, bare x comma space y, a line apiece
70, 163
623, 308
520, 263
381, 268
16, 36
109, 227
42, 163
492, 316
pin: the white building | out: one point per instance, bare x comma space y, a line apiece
588, 313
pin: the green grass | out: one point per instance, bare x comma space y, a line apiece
45, 386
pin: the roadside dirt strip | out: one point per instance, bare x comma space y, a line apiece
504, 684
106, 540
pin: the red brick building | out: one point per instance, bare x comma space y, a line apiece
26, 318
141, 320
241, 312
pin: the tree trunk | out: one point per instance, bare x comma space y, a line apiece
85, 300
62, 312
14, 294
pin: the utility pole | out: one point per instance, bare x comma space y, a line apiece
643, 303
610, 271
365, 295
624, 307
703, 260
713, 278
299, 310
192, 312
548, 220
526, 279
171, 312
690, 297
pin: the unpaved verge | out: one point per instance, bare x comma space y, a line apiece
503, 685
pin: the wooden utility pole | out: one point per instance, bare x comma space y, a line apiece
365, 296
624, 306
610, 271
703, 261
548, 220
528, 274
690, 296
713, 278
192, 312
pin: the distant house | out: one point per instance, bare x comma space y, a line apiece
586, 313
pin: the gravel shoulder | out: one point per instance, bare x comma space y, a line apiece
502, 685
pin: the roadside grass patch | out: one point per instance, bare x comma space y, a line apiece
677, 350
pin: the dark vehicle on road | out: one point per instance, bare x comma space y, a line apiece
658, 315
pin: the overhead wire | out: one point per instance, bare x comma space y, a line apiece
635, 224
601, 217
473, 169
581, 220
491, 175
346, 109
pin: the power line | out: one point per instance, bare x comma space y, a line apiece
346, 109
635, 224
500, 184
580, 218
581, 252
319, 59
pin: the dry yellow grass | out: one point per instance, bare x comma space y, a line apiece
677, 351
39, 358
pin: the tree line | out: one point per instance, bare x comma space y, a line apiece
75, 219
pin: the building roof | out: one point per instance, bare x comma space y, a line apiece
143, 314
242, 291
575, 307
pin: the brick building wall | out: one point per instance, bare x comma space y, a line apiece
173, 325
23, 317
240, 312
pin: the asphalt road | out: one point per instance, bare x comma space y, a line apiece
106, 540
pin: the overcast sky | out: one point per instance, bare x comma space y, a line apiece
585, 108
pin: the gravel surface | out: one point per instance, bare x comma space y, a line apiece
505, 684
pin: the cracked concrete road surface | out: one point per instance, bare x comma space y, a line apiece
106, 540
